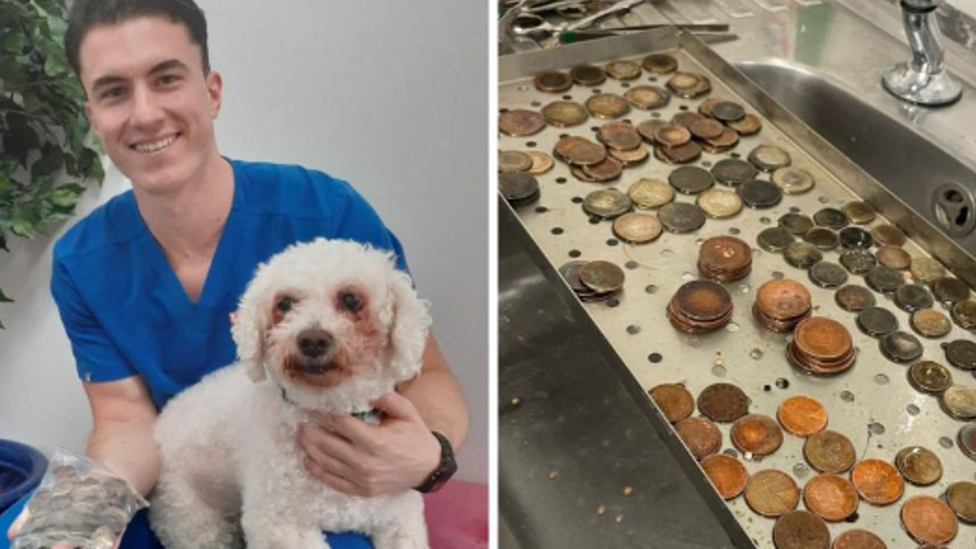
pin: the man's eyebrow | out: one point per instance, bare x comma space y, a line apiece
159, 67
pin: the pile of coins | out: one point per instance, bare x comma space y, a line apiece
821, 346
593, 280
781, 304
588, 161
700, 306
724, 259
623, 143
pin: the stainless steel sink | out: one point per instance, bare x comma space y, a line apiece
922, 174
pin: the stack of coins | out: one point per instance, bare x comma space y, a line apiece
821, 346
593, 280
724, 259
732, 115
588, 161
623, 142
781, 304
700, 306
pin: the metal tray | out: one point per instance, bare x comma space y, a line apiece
872, 404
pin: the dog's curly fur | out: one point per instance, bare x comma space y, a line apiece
231, 470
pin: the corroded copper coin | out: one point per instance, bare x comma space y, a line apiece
855, 238
660, 63
749, 125
725, 141
800, 530
950, 290
637, 228
706, 128
831, 497
700, 436
877, 321
513, 161
623, 69
672, 136
822, 237
926, 270
967, 440
679, 217
831, 218
961, 497
928, 520
650, 193
756, 434
620, 135
702, 300
796, 223
772, 493
781, 304
854, 298
912, 297
675, 402
759, 194
723, 402
878, 482
606, 203
961, 353
518, 187
802, 416
719, 203
888, 235
959, 401
570, 273
930, 323
727, 111
929, 377
727, 474
552, 82
733, 172
683, 154
858, 261
724, 259
607, 170
691, 179
894, 257
588, 75
801, 255
541, 162
564, 114
964, 313
607, 105
860, 213
919, 465
648, 128
859, 539
705, 107
602, 276
829, 452
793, 180
828, 275
885, 280
628, 157
689, 85
777, 239
520, 122
580, 151
647, 97
686, 119
769, 158
901, 347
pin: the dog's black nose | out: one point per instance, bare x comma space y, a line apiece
314, 342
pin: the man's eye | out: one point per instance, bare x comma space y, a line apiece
113, 93
166, 79
351, 301
285, 304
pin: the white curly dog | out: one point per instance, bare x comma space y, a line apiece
327, 326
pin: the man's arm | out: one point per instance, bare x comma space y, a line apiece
437, 396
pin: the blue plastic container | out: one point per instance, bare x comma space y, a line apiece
21, 470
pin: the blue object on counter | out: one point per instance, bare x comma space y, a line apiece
21, 470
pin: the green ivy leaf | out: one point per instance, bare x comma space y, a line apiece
7, 187
66, 196
91, 165
12, 44
55, 66
51, 160
20, 138
12, 72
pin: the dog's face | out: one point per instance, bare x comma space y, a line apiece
330, 322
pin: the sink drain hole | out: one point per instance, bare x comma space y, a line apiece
955, 209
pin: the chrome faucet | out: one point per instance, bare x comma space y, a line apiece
923, 80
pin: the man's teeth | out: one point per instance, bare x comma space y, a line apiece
153, 147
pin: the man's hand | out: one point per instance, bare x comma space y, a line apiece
366, 460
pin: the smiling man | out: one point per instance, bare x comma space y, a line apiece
146, 284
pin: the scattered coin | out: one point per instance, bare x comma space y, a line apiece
570, 273
878, 482
831, 218
959, 401
919, 465
961, 353
828, 275
961, 497
772, 493
926, 270
894, 257
822, 237
769, 158
749, 125
759, 194
930, 323
964, 313
727, 474
607, 105
706, 128
623, 70
796, 223
967, 440
675, 402
588, 75
855, 238
802, 416
728, 111
928, 520
793, 180
853, 298
929, 377
705, 107
831, 497
775, 239
950, 290
553, 82
689, 85
602, 276
647, 97
800, 530
801, 255
648, 128
888, 235
829, 452
877, 321
723, 402
884, 279
691, 179
733, 172
912, 297
601, 172
518, 188
858, 261
513, 161
541, 162
606, 203
629, 157
520, 122
725, 141
650, 193
757, 435
860, 213
579, 151
660, 63
686, 119
859, 539
672, 136
700, 436
564, 114
901, 347
683, 154
619, 135
679, 217
637, 228
719, 203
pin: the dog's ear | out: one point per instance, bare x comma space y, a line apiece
408, 333
249, 329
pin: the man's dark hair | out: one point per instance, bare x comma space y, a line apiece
86, 14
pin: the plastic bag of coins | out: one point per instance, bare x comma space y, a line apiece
700, 306
80, 504
781, 304
724, 259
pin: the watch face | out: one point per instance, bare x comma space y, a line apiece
445, 469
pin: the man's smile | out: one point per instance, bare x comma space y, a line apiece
154, 146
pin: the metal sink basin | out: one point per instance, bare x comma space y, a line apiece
923, 175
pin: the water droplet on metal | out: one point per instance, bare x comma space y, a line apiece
651, 289
718, 371
801, 470
694, 341
756, 353
946, 442
912, 410
745, 288
732, 327
687, 277
666, 253
777, 275
881, 379
783, 383
876, 428
847, 396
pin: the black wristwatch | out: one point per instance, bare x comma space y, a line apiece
445, 469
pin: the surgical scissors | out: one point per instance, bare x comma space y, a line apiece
530, 24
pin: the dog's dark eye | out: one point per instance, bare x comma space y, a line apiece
285, 304
351, 301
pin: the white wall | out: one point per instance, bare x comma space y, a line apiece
391, 96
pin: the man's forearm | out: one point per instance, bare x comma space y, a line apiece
128, 450
437, 397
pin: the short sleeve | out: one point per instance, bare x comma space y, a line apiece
96, 356
360, 222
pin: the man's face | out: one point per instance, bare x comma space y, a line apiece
149, 100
